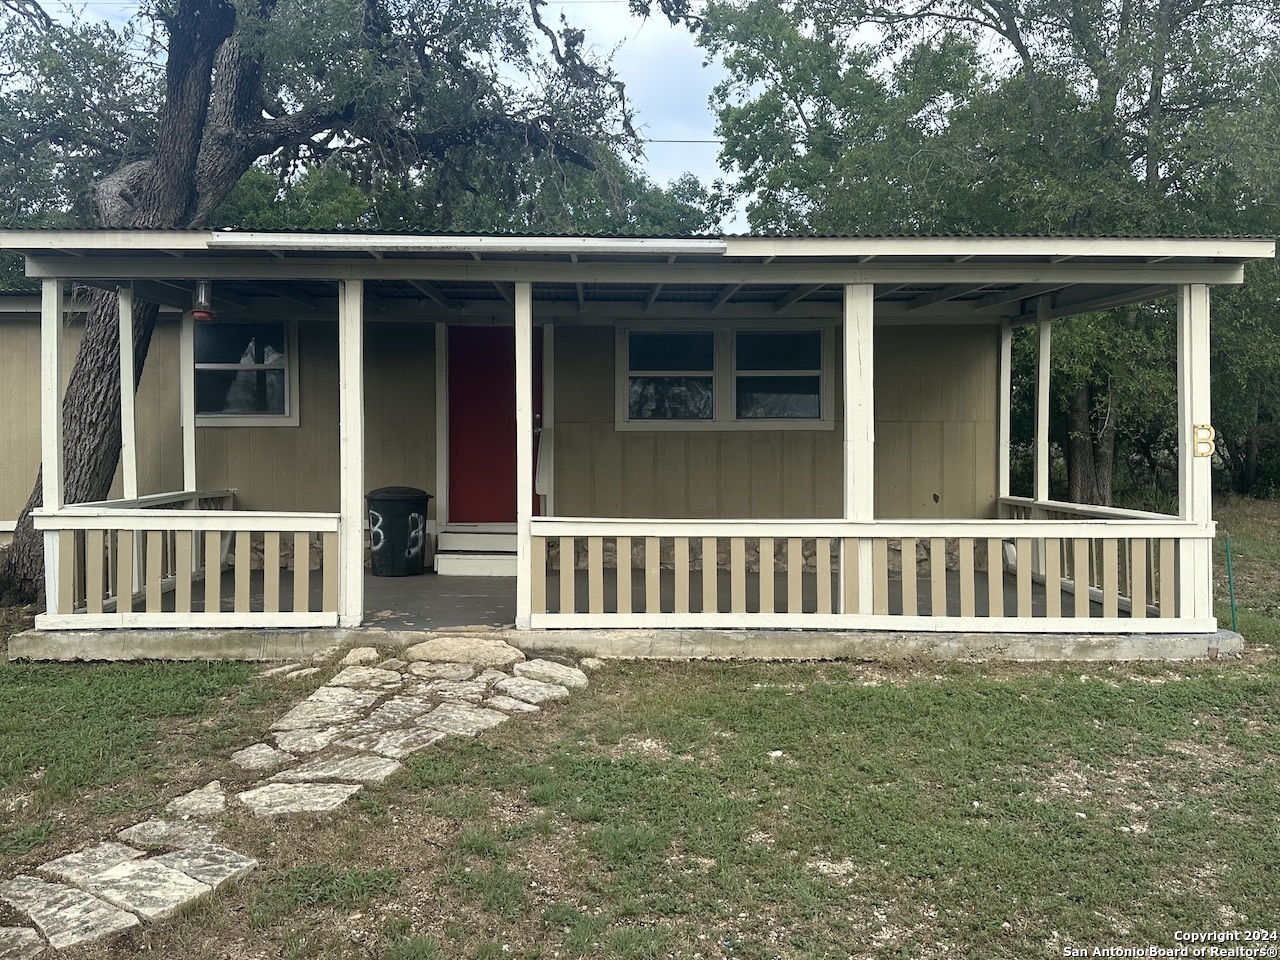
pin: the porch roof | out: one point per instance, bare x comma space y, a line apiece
915, 277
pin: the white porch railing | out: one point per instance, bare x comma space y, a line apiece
158, 561
1086, 575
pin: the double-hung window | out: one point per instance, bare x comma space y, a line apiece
246, 373
746, 377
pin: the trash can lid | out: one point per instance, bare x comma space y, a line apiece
398, 493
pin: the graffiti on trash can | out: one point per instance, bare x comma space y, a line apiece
415, 535
376, 536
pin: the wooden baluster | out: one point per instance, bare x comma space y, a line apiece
182, 571
244, 546
595, 574
1080, 567
624, 575
93, 581
822, 554
1053, 577
1138, 597
995, 577
681, 573
1022, 557
910, 600
850, 601
212, 571
568, 574
795, 575
538, 584
124, 571
329, 571
1168, 578
710, 579
937, 577
766, 575
301, 572
737, 575
652, 576
271, 572
880, 576
968, 607
1110, 580
155, 565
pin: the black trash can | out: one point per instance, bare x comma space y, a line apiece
398, 531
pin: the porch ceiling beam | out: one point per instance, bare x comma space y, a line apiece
146, 290
122, 268
796, 295
949, 292
580, 287
432, 292
651, 298
723, 296
187, 291
506, 294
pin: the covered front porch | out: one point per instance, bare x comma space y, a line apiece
1018, 564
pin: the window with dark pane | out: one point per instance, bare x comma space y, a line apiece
241, 369
778, 375
671, 375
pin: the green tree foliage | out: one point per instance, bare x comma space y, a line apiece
1032, 116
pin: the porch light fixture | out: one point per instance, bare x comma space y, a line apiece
202, 301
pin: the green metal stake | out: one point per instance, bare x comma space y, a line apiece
1231, 589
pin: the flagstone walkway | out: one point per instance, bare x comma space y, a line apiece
352, 731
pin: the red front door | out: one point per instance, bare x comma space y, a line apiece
482, 422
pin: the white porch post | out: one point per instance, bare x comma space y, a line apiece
859, 429
51, 307
351, 451
1044, 327
1006, 379
524, 452
128, 422
187, 398
1195, 449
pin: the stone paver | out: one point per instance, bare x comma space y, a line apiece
591, 663
80, 866
307, 741
20, 943
396, 743
463, 648
443, 671
208, 801
531, 691
366, 677
302, 674
548, 671
492, 676
168, 834
510, 704
360, 656
327, 707
261, 756
457, 689
278, 798
357, 769
392, 664
66, 916
276, 671
462, 719
147, 888
210, 864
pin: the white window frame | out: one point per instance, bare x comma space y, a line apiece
725, 377
290, 417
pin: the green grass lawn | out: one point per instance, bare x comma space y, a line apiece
717, 809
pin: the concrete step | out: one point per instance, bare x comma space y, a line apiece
476, 564
452, 540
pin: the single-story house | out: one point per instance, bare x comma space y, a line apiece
712, 432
